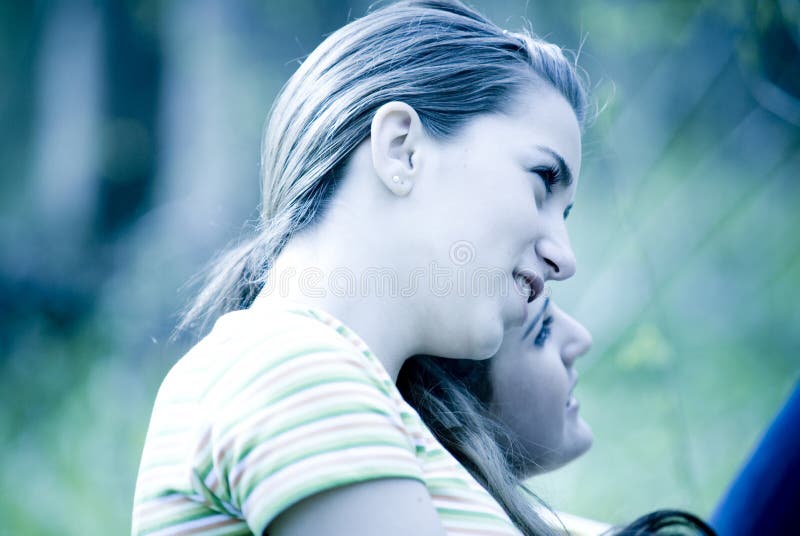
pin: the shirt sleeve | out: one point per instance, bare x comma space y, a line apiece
306, 413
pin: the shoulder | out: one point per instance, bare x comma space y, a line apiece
275, 353
298, 410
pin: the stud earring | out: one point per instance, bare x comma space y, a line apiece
396, 179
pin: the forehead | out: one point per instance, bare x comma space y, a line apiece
542, 116
536, 120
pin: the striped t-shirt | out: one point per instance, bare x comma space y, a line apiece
276, 404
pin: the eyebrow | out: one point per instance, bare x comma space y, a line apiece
564, 173
536, 318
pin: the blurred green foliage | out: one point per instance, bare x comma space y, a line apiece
129, 153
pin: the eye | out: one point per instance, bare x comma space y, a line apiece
567, 211
544, 332
551, 175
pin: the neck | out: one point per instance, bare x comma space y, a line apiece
331, 276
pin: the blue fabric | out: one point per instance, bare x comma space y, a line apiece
765, 496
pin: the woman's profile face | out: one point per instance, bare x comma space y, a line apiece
533, 380
499, 193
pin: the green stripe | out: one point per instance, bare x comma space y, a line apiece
141, 500
308, 416
269, 365
179, 518
254, 476
468, 514
256, 440
290, 390
234, 359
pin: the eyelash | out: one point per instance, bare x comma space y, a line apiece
544, 333
549, 174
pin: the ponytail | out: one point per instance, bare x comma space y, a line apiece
442, 58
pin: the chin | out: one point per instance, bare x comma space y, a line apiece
481, 335
580, 441
577, 442
487, 341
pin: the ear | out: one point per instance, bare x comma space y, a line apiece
396, 133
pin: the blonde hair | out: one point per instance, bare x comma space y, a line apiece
451, 396
450, 64
442, 58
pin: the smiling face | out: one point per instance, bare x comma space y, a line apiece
532, 381
499, 191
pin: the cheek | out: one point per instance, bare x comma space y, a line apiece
529, 400
509, 199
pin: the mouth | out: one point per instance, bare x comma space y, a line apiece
572, 402
531, 282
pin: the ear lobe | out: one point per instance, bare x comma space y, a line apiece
395, 135
400, 186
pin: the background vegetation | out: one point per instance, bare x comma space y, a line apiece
129, 154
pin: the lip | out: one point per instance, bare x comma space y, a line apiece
534, 282
572, 402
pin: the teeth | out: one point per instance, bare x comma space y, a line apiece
525, 282
522, 282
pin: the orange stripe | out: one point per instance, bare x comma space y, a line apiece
218, 524
288, 408
256, 460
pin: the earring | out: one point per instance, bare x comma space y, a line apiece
396, 179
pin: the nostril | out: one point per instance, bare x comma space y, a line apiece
552, 265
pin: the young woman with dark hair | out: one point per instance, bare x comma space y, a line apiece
515, 415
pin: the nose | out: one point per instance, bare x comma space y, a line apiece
556, 252
577, 343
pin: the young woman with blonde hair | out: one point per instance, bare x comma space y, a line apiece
425, 143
